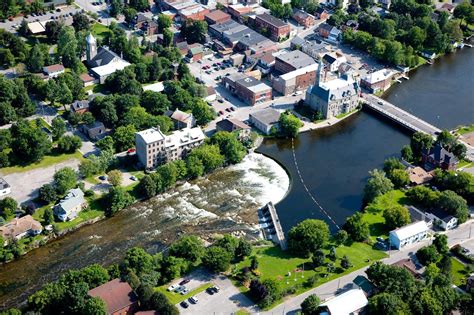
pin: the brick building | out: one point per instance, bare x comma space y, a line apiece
248, 89
216, 16
294, 71
377, 81
303, 18
276, 28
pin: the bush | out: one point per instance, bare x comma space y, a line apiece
427, 255
217, 259
69, 144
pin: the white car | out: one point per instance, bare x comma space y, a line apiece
184, 291
179, 288
172, 287
193, 299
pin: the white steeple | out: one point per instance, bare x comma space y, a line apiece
91, 47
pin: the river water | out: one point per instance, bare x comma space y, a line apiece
226, 201
334, 162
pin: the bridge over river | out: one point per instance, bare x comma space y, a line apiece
406, 119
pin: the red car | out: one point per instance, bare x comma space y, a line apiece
184, 282
221, 113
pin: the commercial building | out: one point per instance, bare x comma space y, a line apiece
334, 60
276, 28
155, 148
247, 88
19, 228
216, 16
335, 97
70, 206
353, 302
294, 71
291, 61
265, 119
409, 234
183, 10
377, 81
118, 296
303, 18
5, 187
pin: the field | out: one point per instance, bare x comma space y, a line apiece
458, 272
176, 298
48, 160
99, 30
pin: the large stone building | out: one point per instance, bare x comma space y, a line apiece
294, 71
154, 147
335, 97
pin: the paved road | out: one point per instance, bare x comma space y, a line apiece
328, 290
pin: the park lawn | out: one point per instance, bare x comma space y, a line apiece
99, 30
373, 213
465, 129
176, 298
48, 160
458, 272
83, 216
273, 263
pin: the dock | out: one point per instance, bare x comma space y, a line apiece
271, 226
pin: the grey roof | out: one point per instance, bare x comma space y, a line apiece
270, 19
297, 59
320, 10
3, 183
441, 155
230, 125
94, 129
326, 27
335, 89
267, 116
442, 214
228, 26
73, 198
329, 59
251, 38
297, 41
78, 105
104, 56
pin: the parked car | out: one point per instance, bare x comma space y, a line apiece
184, 304
215, 288
380, 239
210, 291
133, 178
193, 299
184, 282
232, 109
220, 100
227, 109
185, 291
179, 288
221, 113
172, 287
103, 177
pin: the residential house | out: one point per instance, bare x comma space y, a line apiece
324, 30
53, 70
276, 28
377, 81
442, 219
70, 206
321, 13
351, 24
447, 7
119, 297
470, 283
353, 302
216, 16
418, 176
86, 79
182, 120
418, 215
150, 28
409, 265
79, 107
438, 157
19, 228
195, 52
385, 4
335, 35
315, 49
303, 18
139, 21
102, 61
364, 283
247, 88
409, 234
234, 125
155, 148
334, 97
266, 63
334, 60
265, 119
183, 47
94, 131
5, 187
211, 94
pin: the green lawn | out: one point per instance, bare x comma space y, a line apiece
45, 162
464, 164
340, 116
458, 272
176, 298
373, 213
82, 217
99, 30
275, 264
465, 129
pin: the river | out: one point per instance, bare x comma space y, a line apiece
334, 162
225, 201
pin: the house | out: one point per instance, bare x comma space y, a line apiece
118, 297
334, 97
334, 60
19, 228
442, 219
276, 28
385, 4
447, 7
211, 94
324, 30
418, 176
102, 61
266, 63
316, 49
377, 81
351, 24
364, 283
150, 28
303, 18
139, 21
334, 36
182, 120
155, 148
183, 47
216, 16
418, 215
195, 52
5, 187
265, 119
86, 79
428, 55
408, 234
353, 301
438, 157
79, 107
234, 125
247, 88
53, 70
36, 28
321, 13
94, 131
70, 206
409, 265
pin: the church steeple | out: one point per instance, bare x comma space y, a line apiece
319, 74
91, 47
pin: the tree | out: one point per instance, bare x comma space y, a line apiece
8, 206
167, 37
318, 258
94, 306
64, 179
420, 141
130, 14
29, 144
253, 263
188, 247
36, 59
388, 304
464, 11
454, 204
427, 255
392, 279
58, 127
416, 36
308, 236
80, 22
69, 144
399, 178
391, 164
357, 228
124, 137
88, 118
53, 28
139, 5
396, 216
7, 113
114, 177
441, 243
345, 262
67, 47
47, 193
229, 146
155, 103
106, 144
244, 249
341, 237
289, 125
147, 187
194, 166
209, 155
48, 217
377, 185
117, 199
116, 8
194, 31
164, 22
310, 305
217, 259
202, 112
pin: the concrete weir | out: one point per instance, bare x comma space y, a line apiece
271, 226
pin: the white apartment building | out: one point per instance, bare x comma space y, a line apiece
155, 148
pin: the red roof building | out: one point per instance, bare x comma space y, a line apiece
118, 296
216, 16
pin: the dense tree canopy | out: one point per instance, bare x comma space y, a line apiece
307, 237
